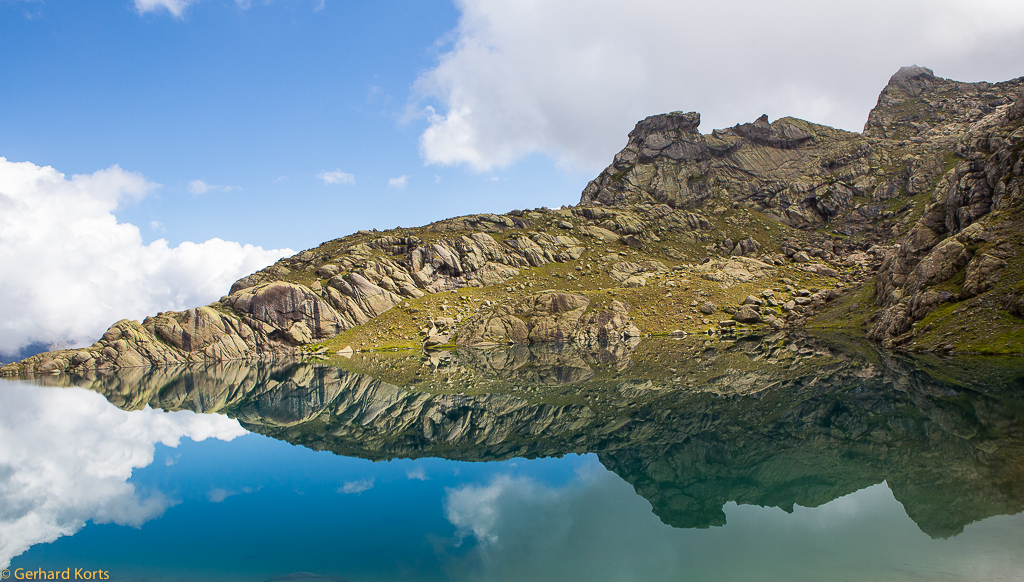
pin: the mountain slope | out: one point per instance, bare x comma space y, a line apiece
775, 224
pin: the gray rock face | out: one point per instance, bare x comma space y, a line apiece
768, 165
282, 306
959, 235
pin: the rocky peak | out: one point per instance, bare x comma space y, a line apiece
916, 103
670, 135
785, 169
675, 122
912, 80
778, 135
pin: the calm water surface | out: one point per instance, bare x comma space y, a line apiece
761, 458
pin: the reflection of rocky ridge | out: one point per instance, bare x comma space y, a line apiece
772, 421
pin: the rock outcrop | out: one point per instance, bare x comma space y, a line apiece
800, 173
552, 316
970, 231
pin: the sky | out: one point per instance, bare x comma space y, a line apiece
156, 150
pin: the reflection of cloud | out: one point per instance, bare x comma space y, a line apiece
417, 473
356, 486
595, 527
217, 494
67, 455
475, 509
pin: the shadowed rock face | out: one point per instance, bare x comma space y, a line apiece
774, 421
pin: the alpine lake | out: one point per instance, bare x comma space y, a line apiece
763, 457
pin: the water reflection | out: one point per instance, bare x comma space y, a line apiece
775, 421
67, 456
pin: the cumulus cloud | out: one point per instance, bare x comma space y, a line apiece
356, 486
571, 78
337, 177
175, 7
68, 455
416, 474
70, 269
200, 187
399, 182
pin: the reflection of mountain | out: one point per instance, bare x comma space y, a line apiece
769, 421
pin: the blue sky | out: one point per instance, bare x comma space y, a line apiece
156, 150
258, 101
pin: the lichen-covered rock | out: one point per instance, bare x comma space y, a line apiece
547, 317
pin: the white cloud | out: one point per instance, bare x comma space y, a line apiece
71, 270
571, 78
399, 182
356, 486
200, 187
337, 177
416, 474
68, 455
175, 7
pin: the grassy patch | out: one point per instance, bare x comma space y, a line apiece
851, 311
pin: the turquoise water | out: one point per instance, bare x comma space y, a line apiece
906, 473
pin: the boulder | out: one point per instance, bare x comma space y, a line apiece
983, 272
282, 305
747, 315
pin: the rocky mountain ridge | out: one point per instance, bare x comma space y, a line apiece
778, 224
